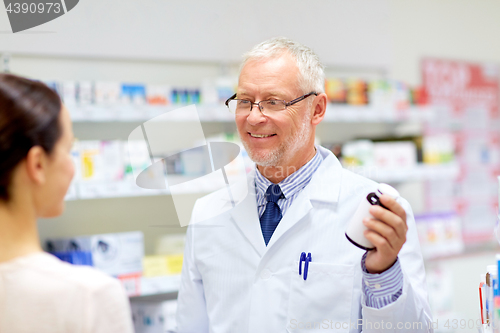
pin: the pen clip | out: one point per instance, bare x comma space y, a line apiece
302, 258
306, 266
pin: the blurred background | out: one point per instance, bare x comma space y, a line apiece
414, 102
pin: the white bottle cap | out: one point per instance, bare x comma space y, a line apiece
389, 190
492, 269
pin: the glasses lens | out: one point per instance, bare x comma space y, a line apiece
239, 106
273, 105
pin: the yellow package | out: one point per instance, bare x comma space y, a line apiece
161, 265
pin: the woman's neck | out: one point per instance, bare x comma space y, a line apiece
18, 231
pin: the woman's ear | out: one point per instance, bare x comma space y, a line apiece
36, 164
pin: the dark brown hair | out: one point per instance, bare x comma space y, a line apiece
29, 116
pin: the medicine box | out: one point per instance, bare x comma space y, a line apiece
115, 254
160, 265
154, 317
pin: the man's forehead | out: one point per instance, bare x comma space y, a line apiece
274, 76
269, 87
282, 59
244, 92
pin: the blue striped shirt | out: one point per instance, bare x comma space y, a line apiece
384, 288
290, 186
379, 289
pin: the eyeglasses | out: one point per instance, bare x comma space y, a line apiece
267, 107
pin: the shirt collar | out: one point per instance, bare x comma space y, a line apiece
290, 185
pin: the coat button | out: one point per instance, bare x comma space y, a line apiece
265, 274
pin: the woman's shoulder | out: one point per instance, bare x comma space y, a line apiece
43, 266
62, 295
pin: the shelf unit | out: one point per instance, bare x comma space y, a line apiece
219, 113
129, 207
104, 117
157, 288
127, 188
419, 172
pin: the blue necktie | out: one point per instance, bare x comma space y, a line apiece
272, 215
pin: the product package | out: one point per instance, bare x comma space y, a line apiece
154, 317
117, 254
161, 265
158, 94
107, 93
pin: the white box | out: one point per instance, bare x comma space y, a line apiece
101, 161
69, 93
115, 254
395, 155
107, 93
148, 317
158, 94
154, 317
85, 92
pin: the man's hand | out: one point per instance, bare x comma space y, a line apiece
387, 232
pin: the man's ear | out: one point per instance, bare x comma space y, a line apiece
36, 163
319, 108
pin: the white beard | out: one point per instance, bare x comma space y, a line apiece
285, 151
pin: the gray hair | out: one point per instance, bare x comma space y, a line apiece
312, 74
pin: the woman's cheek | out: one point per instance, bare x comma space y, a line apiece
71, 168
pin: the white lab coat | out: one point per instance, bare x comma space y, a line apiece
231, 282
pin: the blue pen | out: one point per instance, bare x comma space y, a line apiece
306, 268
306, 259
302, 258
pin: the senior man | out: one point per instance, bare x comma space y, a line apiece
249, 274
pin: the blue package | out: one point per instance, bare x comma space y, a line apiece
134, 92
175, 96
75, 257
194, 96
184, 96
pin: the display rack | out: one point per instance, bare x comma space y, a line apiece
127, 188
417, 173
157, 288
219, 113
114, 122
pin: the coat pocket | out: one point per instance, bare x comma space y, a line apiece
323, 301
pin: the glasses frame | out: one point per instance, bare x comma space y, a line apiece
287, 104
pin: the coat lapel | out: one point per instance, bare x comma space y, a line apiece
295, 213
246, 218
324, 186
326, 181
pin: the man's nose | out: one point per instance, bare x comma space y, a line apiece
255, 116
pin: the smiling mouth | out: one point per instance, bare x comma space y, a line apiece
261, 135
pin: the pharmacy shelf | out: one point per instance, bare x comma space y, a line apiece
418, 172
81, 190
113, 189
356, 114
127, 188
473, 250
219, 113
158, 288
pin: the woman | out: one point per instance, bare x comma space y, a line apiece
38, 292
